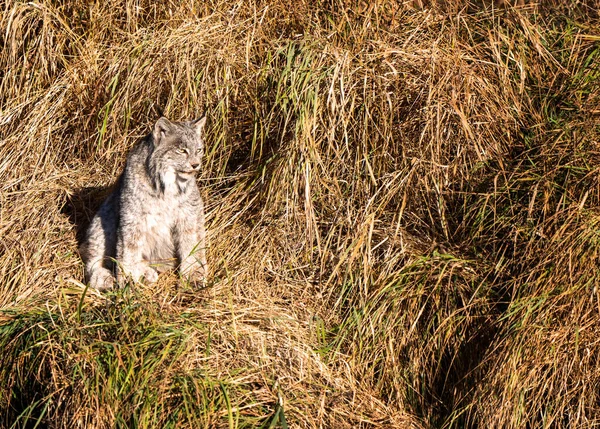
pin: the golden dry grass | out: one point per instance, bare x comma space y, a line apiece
402, 210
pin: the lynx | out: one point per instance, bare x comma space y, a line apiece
154, 218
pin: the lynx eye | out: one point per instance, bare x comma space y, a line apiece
182, 150
199, 150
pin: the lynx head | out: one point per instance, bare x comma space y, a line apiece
177, 150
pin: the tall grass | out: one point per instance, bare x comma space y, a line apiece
402, 212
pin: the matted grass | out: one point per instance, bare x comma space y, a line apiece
402, 207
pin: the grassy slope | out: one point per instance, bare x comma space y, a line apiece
403, 215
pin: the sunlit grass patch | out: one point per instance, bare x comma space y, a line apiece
119, 362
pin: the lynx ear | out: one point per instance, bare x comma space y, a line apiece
162, 127
198, 125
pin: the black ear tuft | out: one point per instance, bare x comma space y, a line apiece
162, 127
198, 124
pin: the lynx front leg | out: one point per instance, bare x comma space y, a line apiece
191, 248
129, 257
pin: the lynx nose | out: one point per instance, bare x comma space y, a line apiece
195, 165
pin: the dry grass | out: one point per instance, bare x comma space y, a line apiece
402, 210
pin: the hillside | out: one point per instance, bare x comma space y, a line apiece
403, 207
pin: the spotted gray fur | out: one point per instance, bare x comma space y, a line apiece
154, 218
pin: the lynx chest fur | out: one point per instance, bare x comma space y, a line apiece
154, 219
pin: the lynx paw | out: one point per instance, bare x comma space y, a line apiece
139, 273
150, 275
102, 279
